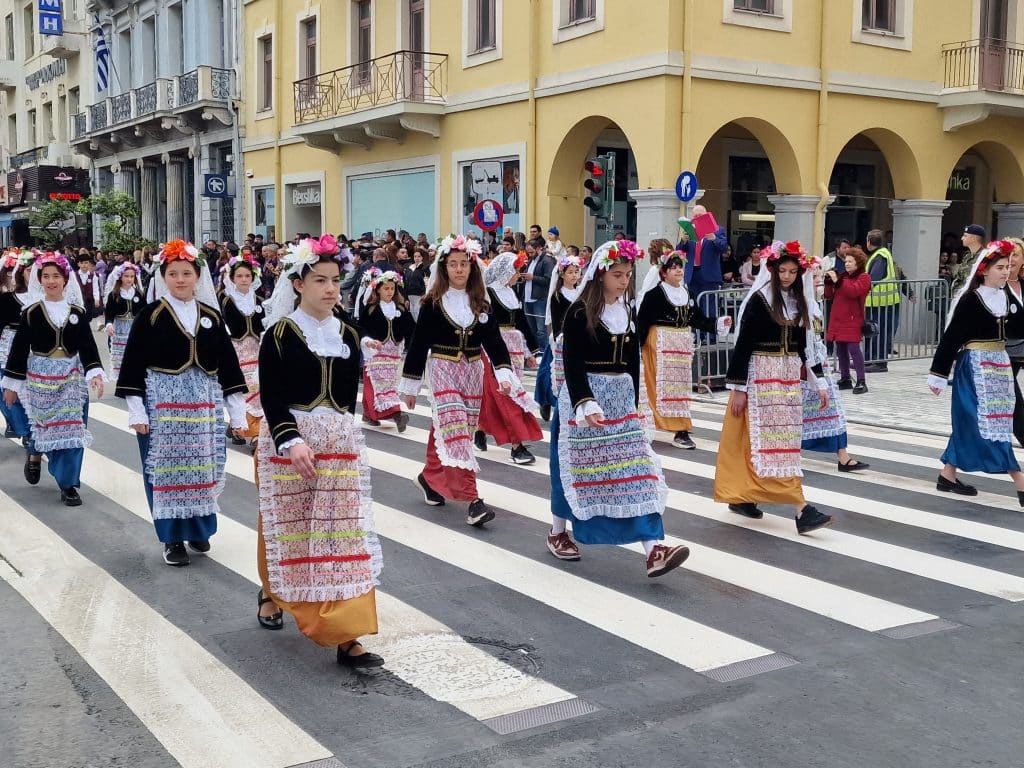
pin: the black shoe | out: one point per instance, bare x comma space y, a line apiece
200, 546
810, 519
175, 554
479, 513
367, 659
230, 433
69, 497
876, 368
1020, 498
480, 440
861, 387
521, 455
961, 489
9, 433
275, 620
371, 422
545, 412
401, 421
33, 469
852, 466
430, 496
682, 439
747, 510
844, 384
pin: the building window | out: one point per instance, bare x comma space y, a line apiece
879, 15
309, 63
264, 213
9, 37
754, 6
29, 21
773, 15
364, 40
12, 133
265, 80
581, 10
32, 138
485, 33
47, 135
576, 18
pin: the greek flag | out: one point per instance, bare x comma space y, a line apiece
102, 58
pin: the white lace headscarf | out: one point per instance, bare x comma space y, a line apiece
991, 252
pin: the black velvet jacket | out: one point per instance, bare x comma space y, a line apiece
38, 335
656, 309
294, 377
603, 352
973, 323
760, 333
512, 318
238, 324
440, 336
158, 342
559, 306
117, 307
374, 324
10, 310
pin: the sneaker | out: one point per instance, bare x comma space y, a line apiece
955, 486
562, 546
844, 384
370, 422
747, 510
479, 513
430, 496
682, 439
401, 421
545, 412
521, 455
200, 546
175, 554
664, 559
480, 440
69, 497
861, 387
810, 519
33, 469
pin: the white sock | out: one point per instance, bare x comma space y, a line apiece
649, 546
557, 525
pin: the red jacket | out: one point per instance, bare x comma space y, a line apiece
847, 314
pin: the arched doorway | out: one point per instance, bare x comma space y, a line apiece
986, 173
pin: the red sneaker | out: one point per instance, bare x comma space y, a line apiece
562, 546
664, 559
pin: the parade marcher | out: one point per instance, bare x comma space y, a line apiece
384, 317
178, 373
51, 366
1015, 347
564, 289
665, 323
14, 297
318, 554
759, 451
89, 284
510, 419
125, 300
454, 328
605, 477
981, 318
242, 310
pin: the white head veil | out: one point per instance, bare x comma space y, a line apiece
1003, 246
282, 301
115, 277
471, 248
365, 289
563, 264
204, 292
653, 276
72, 291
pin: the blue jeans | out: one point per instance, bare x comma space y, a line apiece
535, 317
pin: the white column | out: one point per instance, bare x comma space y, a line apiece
175, 198
917, 236
150, 229
794, 218
657, 216
1011, 219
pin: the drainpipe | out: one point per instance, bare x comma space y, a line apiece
688, 12
531, 149
821, 172
278, 200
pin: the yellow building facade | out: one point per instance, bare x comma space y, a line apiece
801, 118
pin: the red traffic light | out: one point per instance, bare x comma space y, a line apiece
594, 168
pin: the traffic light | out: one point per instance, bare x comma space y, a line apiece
600, 185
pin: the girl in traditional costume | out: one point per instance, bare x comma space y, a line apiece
178, 373
510, 419
125, 300
454, 328
604, 475
14, 297
52, 363
383, 315
665, 323
759, 451
319, 557
565, 289
982, 317
242, 310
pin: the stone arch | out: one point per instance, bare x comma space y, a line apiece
904, 168
1003, 165
778, 149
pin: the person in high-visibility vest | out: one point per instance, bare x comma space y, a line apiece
882, 304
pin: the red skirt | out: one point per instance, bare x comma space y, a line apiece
501, 417
368, 401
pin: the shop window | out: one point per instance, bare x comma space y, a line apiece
264, 213
491, 179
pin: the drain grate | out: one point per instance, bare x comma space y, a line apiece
537, 716
908, 631
328, 762
751, 667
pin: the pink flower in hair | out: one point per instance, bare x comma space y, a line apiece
326, 245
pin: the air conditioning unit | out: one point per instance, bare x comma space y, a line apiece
66, 161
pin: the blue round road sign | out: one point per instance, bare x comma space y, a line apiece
686, 186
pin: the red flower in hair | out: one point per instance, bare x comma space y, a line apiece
521, 260
793, 248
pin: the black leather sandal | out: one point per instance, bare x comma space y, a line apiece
274, 621
367, 659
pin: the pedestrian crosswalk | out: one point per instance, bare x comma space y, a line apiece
482, 631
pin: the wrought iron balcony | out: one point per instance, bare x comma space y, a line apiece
379, 98
981, 78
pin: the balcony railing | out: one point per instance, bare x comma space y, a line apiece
403, 76
987, 65
161, 97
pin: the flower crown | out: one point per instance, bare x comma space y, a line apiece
622, 252
17, 259
471, 248
385, 277
120, 269
793, 250
247, 260
49, 258
994, 251
570, 261
180, 250
668, 254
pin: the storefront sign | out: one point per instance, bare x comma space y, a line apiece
51, 17
51, 71
308, 194
63, 178
961, 183
65, 195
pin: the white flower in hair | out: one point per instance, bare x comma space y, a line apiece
299, 256
191, 250
474, 248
